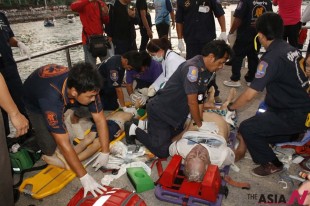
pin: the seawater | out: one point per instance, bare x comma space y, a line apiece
39, 38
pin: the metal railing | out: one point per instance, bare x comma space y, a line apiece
40, 54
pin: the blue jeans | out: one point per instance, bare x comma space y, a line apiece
89, 57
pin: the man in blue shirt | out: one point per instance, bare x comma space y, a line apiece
49, 92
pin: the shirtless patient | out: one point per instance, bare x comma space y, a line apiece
199, 149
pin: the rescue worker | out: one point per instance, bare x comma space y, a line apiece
113, 71
49, 92
245, 16
168, 110
281, 71
195, 23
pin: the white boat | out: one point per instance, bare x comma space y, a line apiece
49, 22
71, 18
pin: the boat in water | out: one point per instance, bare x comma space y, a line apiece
71, 18
49, 22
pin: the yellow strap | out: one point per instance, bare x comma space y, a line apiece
308, 121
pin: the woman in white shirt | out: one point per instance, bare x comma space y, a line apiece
161, 51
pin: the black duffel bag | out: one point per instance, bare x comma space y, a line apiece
97, 45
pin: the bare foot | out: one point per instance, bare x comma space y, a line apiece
53, 160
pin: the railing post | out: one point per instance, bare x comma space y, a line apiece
68, 58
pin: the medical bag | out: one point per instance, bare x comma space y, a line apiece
111, 197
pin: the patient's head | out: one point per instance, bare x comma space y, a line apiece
196, 163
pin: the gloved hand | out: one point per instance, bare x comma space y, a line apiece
151, 91
209, 127
90, 185
181, 45
102, 160
222, 36
142, 100
131, 110
24, 50
133, 98
231, 38
230, 117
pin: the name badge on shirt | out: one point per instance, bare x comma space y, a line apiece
204, 9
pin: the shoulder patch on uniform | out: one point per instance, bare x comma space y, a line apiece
261, 69
114, 75
192, 74
51, 118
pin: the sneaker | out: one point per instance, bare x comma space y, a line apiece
231, 83
217, 99
130, 139
266, 169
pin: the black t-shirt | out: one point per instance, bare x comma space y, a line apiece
248, 11
197, 19
281, 71
121, 24
142, 5
171, 103
6, 55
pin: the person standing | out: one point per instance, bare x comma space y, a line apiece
290, 11
145, 23
121, 28
8, 67
168, 110
21, 124
162, 21
195, 24
93, 14
245, 16
281, 71
49, 92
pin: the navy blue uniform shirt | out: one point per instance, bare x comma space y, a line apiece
46, 93
6, 57
171, 103
281, 71
198, 19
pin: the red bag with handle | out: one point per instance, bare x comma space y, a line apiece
111, 197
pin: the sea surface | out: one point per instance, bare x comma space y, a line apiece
39, 39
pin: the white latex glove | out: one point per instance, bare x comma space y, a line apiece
209, 127
90, 185
181, 45
131, 110
222, 36
102, 160
133, 98
231, 38
151, 92
24, 50
230, 117
142, 100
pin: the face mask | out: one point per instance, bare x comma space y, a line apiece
158, 59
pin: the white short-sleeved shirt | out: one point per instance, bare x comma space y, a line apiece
220, 154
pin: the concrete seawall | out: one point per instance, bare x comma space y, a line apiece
20, 16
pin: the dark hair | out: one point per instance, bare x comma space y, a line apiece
217, 47
271, 25
84, 77
134, 58
155, 45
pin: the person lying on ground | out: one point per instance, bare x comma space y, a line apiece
201, 148
90, 144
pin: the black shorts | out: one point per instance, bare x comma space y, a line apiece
113, 129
